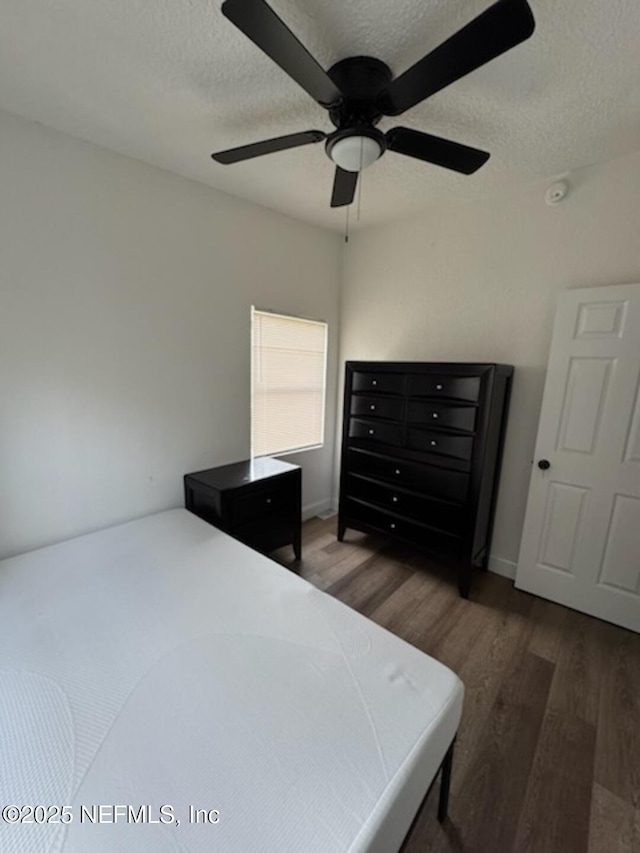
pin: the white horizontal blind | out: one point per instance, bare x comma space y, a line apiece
288, 372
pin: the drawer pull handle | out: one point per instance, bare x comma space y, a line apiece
434, 415
394, 499
268, 500
438, 387
393, 525
374, 381
397, 470
371, 432
372, 407
433, 443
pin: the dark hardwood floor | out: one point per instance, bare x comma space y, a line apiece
548, 753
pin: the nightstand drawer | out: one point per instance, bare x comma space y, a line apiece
255, 503
372, 431
385, 383
376, 407
451, 387
267, 533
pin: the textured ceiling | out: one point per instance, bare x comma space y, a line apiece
169, 81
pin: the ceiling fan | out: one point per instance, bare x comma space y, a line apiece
360, 90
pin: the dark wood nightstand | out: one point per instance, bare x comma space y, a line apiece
259, 502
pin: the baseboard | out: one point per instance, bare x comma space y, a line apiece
311, 510
500, 566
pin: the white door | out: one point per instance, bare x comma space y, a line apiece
581, 538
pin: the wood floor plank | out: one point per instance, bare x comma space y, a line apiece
403, 612
317, 543
415, 624
324, 566
316, 524
557, 808
509, 742
339, 566
367, 586
615, 825
496, 642
578, 676
486, 809
550, 622
617, 766
316, 528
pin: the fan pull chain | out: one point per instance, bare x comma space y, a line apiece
360, 178
346, 229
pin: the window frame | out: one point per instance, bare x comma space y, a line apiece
323, 408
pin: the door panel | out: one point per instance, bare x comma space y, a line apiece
585, 397
601, 319
581, 539
632, 451
561, 527
621, 564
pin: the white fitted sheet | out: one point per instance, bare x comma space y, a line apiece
161, 662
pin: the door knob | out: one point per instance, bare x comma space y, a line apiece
544, 464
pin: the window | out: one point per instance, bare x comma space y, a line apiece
288, 372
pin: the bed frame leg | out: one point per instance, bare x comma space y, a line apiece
445, 783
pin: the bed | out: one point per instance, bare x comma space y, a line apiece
164, 688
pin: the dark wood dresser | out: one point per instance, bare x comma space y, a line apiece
421, 453
258, 502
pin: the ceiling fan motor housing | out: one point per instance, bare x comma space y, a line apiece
356, 142
362, 80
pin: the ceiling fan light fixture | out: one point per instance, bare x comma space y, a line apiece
355, 152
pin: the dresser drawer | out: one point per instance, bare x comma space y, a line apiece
377, 407
442, 516
256, 503
376, 431
450, 387
440, 443
403, 528
441, 415
427, 479
386, 383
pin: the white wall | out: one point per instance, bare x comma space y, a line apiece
125, 297
478, 282
124, 319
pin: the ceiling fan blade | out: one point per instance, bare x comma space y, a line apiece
435, 149
268, 146
260, 23
344, 187
498, 29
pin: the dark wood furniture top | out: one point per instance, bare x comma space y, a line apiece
256, 501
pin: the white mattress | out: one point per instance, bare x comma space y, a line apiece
161, 663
